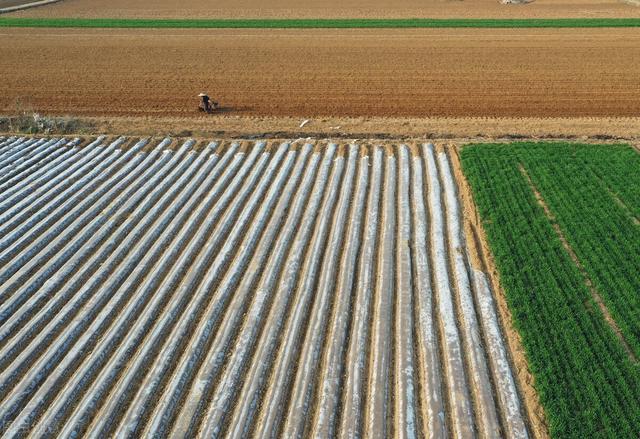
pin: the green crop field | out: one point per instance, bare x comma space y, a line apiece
563, 269
319, 23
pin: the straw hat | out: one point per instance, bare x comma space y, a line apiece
202, 94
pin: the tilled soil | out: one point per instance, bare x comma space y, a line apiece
333, 9
397, 73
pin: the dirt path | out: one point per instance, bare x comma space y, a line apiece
335, 8
392, 73
600, 129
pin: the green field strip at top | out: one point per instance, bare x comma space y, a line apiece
318, 23
588, 384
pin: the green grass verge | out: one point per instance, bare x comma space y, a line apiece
318, 23
588, 384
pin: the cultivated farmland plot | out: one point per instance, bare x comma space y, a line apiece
563, 221
251, 60
229, 289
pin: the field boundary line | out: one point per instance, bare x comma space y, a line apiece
634, 219
623, 206
313, 23
574, 257
480, 258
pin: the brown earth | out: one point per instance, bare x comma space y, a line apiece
334, 9
345, 73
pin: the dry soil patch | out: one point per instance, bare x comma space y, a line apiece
345, 73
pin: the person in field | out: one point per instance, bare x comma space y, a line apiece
206, 105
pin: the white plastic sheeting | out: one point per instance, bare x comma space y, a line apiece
235, 289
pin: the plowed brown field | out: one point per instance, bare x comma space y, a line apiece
421, 72
333, 9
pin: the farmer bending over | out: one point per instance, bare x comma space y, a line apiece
206, 103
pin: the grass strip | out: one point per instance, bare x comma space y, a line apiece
317, 23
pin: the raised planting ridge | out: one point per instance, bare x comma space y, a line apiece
226, 289
562, 222
340, 23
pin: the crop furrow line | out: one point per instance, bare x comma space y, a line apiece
284, 277
352, 419
69, 222
127, 312
10, 144
22, 151
147, 248
31, 412
5, 143
47, 151
46, 175
312, 330
14, 146
406, 423
377, 405
173, 385
81, 195
330, 379
153, 289
42, 367
574, 257
50, 184
21, 219
96, 281
167, 294
61, 148
79, 251
199, 395
432, 395
208, 326
192, 307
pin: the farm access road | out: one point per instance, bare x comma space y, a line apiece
345, 73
